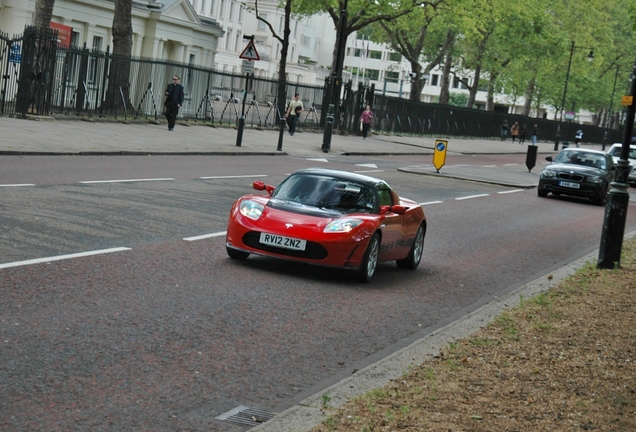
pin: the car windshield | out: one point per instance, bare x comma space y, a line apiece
328, 193
616, 152
592, 160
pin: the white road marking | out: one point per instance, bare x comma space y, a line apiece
126, 181
510, 191
489, 166
472, 196
16, 185
511, 164
62, 257
204, 236
234, 176
369, 171
367, 165
431, 202
318, 159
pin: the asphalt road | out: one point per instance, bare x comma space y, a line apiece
169, 333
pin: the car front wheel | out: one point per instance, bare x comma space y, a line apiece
542, 193
415, 254
370, 260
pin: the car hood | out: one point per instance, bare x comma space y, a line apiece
579, 169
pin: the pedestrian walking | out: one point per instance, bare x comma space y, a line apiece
174, 100
365, 121
578, 138
535, 134
514, 131
294, 110
522, 134
504, 130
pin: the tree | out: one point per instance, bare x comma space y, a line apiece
408, 35
119, 72
43, 13
284, 41
358, 14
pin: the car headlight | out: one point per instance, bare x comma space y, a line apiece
342, 225
595, 179
251, 209
548, 173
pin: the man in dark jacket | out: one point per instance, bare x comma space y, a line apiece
174, 100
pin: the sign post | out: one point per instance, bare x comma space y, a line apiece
248, 55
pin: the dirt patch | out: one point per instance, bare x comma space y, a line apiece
564, 360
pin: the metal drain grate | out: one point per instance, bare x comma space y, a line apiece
246, 416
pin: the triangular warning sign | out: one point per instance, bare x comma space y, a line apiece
249, 53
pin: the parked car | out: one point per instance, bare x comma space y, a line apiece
330, 218
578, 172
615, 152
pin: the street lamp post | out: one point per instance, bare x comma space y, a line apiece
609, 255
609, 118
590, 57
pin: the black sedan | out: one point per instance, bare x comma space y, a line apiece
578, 172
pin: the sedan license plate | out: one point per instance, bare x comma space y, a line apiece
570, 185
283, 242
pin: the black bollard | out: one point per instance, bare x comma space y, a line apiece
531, 157
326, 139
281, 134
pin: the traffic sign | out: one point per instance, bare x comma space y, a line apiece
247, 67
250, 53
439, 155
627, 100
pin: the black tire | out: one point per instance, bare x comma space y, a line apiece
237, 254
600, 200
370, 261
415, 254
542, 193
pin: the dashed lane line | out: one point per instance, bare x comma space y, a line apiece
17, 185
205, 236
233, 176
125, 181
62, 257
471, 197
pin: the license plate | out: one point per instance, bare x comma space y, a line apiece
283, 242
570, 185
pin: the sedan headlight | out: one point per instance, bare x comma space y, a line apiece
595, 179
342, 225
546, 173
251, 209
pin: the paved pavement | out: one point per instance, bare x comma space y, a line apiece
73, 136
48, 136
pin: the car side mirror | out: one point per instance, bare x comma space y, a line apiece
398, 209
548, 158
259, 186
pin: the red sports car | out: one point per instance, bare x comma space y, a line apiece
331, 218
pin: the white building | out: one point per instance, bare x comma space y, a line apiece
166, 29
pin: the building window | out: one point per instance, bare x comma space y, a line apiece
434, 80
305, 41
237, 44
211, 8
392, 76
396, 57
232, 6
372, 74
375, 55
455, 82
222, 12
92, 63
261, 24
241, 13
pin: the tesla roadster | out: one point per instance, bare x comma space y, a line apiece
330, 218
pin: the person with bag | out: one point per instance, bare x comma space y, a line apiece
174, 100
294, 110
514, 132
365, 121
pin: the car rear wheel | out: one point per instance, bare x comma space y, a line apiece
415, 254
370, 260
237, 254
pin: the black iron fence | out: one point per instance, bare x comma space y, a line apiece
38, 77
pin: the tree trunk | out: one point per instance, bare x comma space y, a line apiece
444, 94
472, 93
43, 13
527, 107
282, 66
416, 82
118, 94
490, 101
